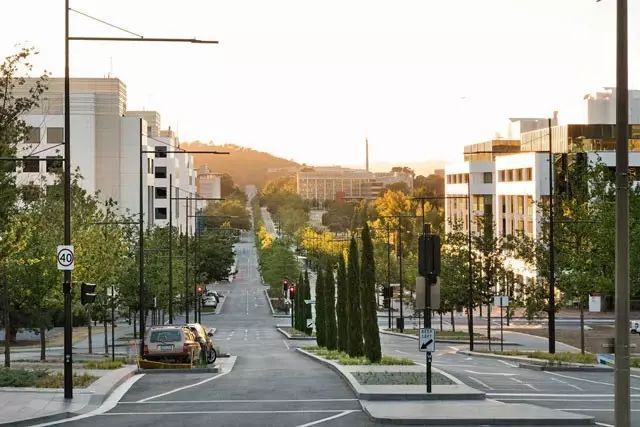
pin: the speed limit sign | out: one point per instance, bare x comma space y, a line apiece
66, 257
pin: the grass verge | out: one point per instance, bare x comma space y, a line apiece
103, 364
345, 359
561, 357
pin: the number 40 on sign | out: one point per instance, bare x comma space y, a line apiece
66, 257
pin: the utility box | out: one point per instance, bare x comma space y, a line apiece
400, 323
595, 303
421, 294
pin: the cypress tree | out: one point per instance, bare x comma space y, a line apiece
320, 326
331, 332
308, 314
368, 299
355, 313
341, 306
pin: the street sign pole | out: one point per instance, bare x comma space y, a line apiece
427, 343
501, 330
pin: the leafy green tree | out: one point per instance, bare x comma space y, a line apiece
355, 348
331, 333
368, 299
18, 96
299, 312
320, 309
215, 255
342, 307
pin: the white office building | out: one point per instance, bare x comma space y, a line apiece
601, 106
106, 147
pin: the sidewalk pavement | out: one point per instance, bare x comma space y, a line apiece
25, 406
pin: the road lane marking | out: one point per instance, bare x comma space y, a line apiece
286, 344
333, 417
401, 352
501, 374
569, 384
481, 383
532, 387
183, 388
517, 380
507, 363
595, 410
164, 402
454, 348
585, 380
563, 399
108, 405
299, 411
605, 425
553, 395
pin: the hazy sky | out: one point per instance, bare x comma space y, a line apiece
309, 80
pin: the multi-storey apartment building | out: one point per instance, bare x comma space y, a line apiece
508, 181
106, 145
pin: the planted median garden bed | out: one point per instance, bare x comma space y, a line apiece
400, 378
40, 378
345, 359
560, 357
446, 335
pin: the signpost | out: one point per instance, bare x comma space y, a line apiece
427, 343
502, 301
66, 257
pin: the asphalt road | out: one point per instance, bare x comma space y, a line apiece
270, 385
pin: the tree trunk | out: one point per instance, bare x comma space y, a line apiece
453, 322
43, 347
489, 325
440, 321
7, 325
480, 307
89, 329
135, 326
581, 326
106, 342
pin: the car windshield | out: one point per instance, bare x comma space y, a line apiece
166, 335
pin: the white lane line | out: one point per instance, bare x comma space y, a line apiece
532, 387
568, 384
585, 380
401, 352
605, 425
108, 405
286, 344
454, 348
552, 395
595, 410
563, 399
516, 380
182, 402
183, 388
310, 411
481, 383
501, 374
508, 364
333, 417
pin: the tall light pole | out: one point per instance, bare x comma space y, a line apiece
552, 250
622, 372
68, 374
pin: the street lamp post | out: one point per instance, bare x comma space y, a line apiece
622, 371
68, 373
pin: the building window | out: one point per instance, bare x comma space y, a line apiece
55, 135
161, 172
521, 205
161, 213
501, 176
161, 192
528, 174
54, 164
487, 178
33, 135
161, 152
31, 164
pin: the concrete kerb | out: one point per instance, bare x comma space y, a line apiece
539, 364
459, 391
415, 337
99, 391
273, 312
291, 337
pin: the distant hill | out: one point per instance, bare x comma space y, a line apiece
245, 165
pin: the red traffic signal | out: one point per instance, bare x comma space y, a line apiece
292, 292
199, 289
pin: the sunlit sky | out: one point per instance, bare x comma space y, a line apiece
310, 80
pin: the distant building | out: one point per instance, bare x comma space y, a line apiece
601, 106
106, 141
338, 183
208, 184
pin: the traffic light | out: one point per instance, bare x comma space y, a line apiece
87, 293
292, 292
429, 256
199, 289
285, 286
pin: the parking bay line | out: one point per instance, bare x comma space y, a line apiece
184, 387
585, 380
569, 395
154, 402
297, 411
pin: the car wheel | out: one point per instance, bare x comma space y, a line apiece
633, 331
212, 356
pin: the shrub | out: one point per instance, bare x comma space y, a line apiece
103, 364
